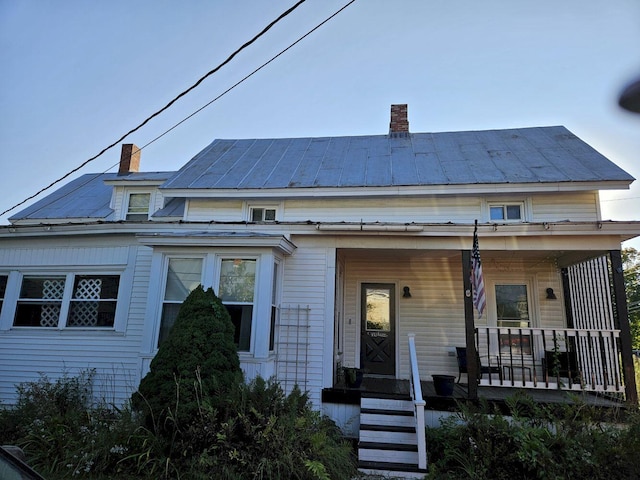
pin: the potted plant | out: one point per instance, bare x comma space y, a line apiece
352, 376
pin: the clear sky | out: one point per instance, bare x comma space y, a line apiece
76, 75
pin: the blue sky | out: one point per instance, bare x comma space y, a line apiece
77, 75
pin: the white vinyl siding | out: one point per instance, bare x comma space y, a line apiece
435, 311
577, 207
206, 210
27, 352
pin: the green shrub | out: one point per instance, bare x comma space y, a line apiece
198, 360
269, 435
535, 441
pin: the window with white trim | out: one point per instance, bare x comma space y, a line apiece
237, 290
138, 206
72, 300
3, 289
506, 212
513, 312
262, 214
183, 276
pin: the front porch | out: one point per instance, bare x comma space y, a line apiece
400, 389
568, 330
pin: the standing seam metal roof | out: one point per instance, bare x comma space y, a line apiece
525, 155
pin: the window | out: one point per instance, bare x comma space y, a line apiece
512, 308
183, 276
274, 308
260, 214
67, 301
507, 212
138, 208
237, 286
3, 289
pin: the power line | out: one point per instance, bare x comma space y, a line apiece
242, 80
168, 105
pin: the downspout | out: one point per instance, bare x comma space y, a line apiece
620, 294
469, 327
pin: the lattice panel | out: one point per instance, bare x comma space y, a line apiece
85, 314
50, 313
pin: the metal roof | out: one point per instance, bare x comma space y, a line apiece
523, 155
515, 156
86, 197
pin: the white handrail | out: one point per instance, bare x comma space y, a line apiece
418, 403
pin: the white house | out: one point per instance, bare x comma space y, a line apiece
329, 252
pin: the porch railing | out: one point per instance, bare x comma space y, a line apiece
552, 358
418, 402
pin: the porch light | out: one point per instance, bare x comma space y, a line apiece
550, 294
406, 292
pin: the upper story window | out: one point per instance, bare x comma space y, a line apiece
509, 212
262, 214
237, 288
67, 301
138, 206
183, 276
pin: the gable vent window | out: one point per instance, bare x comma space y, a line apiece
138, 208
506, 212
261, 214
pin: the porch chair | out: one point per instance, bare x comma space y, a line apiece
461, 355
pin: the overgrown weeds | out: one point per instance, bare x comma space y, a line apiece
535, 441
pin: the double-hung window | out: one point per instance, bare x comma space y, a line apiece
237, 290
183, 276
138, 206
71, 300
512, 312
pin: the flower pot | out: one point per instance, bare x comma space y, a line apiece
444, 384
353, 377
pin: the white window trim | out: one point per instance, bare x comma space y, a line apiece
14, 286
131, 191
249, 206
256, 290
259, 342
525, 209
163, 286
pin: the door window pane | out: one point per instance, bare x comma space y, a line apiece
378, 307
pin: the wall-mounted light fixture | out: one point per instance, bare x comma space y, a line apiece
406, 292
550, 294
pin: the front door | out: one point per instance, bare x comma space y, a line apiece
378, 320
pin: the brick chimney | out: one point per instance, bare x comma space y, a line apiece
399, 126
129, 159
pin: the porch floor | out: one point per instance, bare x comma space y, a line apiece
390, 387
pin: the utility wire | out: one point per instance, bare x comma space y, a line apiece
168, 105
246, 77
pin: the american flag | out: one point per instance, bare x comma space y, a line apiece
477, 279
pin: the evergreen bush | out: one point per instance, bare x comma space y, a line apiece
198, 359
